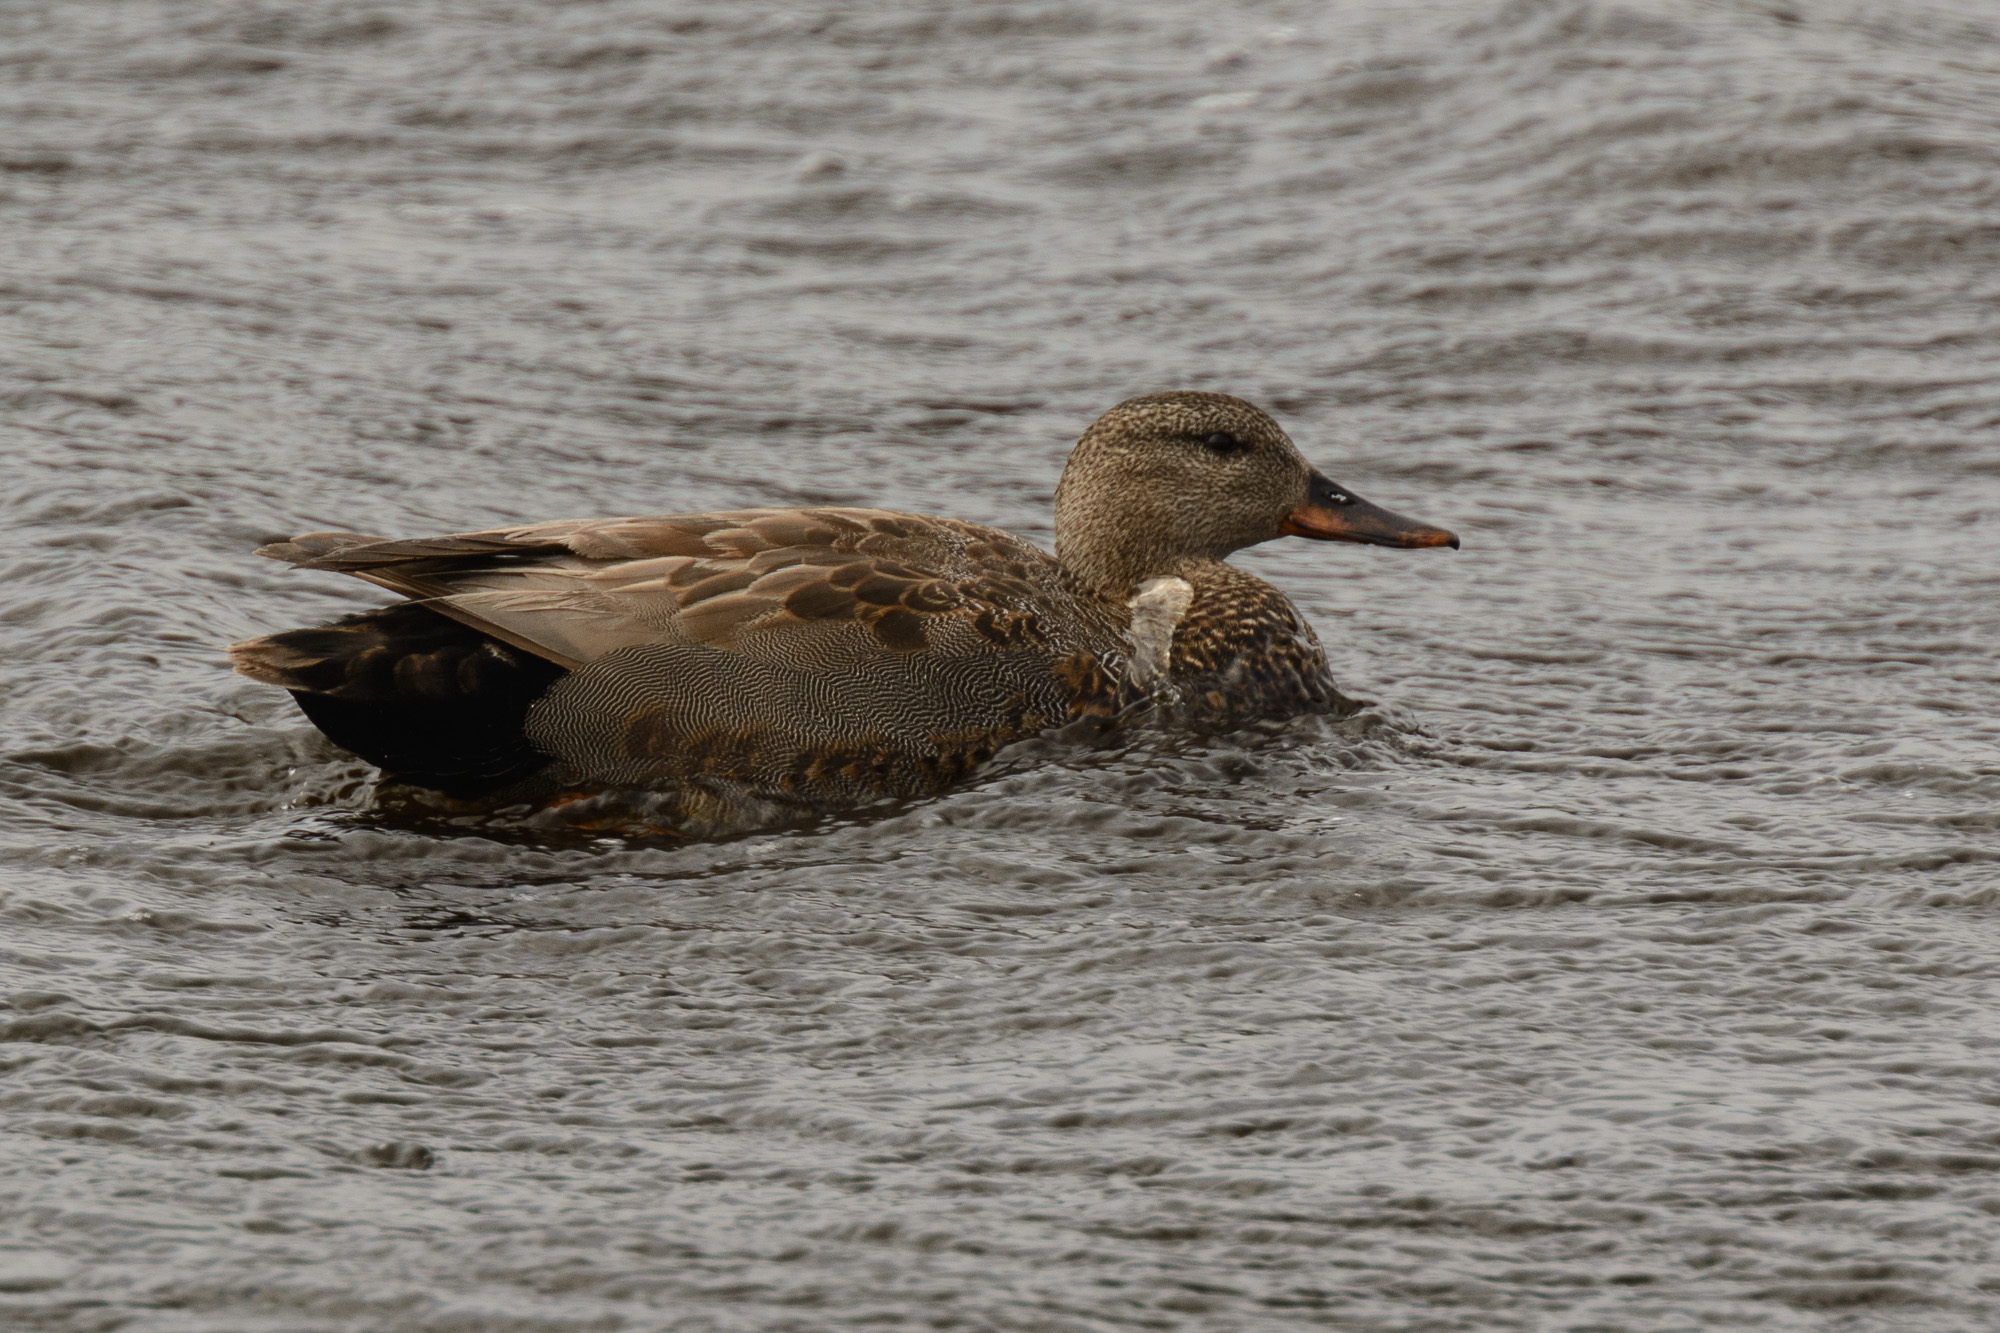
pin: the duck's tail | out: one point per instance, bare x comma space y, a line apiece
431, 702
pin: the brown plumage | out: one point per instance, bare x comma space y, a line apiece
733, 663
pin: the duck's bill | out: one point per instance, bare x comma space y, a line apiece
1332, 513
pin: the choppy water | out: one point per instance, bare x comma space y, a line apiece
1630, 966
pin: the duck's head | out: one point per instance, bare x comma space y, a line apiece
1172, 477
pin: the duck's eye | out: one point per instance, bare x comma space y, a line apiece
1222, 442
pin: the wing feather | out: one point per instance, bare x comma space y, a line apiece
747, 581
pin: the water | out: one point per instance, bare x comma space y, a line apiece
1628, 966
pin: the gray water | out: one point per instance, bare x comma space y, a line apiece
1629, 965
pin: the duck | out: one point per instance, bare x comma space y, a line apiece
737, 663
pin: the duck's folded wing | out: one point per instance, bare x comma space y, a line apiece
792, 587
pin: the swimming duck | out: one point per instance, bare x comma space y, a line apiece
825, 658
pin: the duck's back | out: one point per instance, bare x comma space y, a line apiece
819, 656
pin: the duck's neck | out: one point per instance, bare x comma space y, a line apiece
1114, 571
1109, 537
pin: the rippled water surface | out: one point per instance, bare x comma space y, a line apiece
1629, 965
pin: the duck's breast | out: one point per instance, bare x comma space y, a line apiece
1242, 651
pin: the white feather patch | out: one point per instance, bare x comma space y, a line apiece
1157, 606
